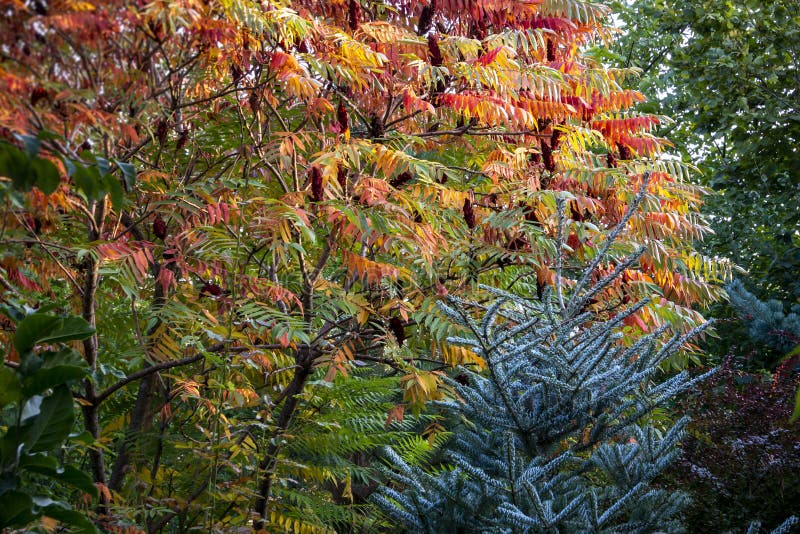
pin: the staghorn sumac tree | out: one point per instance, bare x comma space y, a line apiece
252, 196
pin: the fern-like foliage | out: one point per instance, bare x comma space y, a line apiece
326, 470
553, 438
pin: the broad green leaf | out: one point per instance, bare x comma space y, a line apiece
103, 166
796, 412
46, 173
16, 165
16, 510
57, 368
9, 386
88, 180
53, 424
39, 328
32, 145
48, 466
128, 173
115, 190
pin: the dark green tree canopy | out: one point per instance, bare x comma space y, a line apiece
728, 73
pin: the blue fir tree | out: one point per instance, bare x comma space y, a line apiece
552, 436
767, 322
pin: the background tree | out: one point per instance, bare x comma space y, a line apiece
727, 73
244, 198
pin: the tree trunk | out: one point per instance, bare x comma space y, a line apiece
270, 460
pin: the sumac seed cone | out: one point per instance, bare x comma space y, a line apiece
342, 117
315, 175
477, 29
555, 139
211, 289
161, 130
426, 18
551, 50
611, 161
254, 102
353, 14
434, 52
183, 138
573, 242
376, 127
547, 157
401, 179
398, 329
341, 177
37, 94
624, 152
236, 73
159, 227
469, 214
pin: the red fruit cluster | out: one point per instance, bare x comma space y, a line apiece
625, 152
426, 18
37, 94
434, 52
341, 177
342, 118
551, 50
401, 179
315, 176
469, 214
547, 157
211, 289
159, 227
398, 329
353, 14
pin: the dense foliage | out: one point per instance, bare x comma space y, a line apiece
37, 414
742, 457
727, 72
257, 205
745, 132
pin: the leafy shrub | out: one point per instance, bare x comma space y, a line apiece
36, 418
742, 457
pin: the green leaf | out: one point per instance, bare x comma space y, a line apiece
40, 328
115, 189
88, 180
16, 509
9, 386
103, 166
128, 173
16, 165
47, 465
46, 173
32, 145
53, 424
57, 368
796, 413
